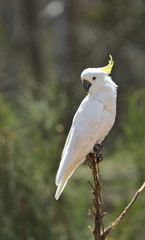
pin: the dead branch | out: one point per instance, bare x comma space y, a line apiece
94, 161
96, 200
115, 223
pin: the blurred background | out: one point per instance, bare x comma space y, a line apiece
44, 47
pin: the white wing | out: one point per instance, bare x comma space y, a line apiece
85, 131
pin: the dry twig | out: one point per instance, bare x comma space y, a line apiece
96, 200
108, 229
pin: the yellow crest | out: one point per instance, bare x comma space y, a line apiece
109, 67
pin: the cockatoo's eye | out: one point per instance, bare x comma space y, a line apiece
93, 78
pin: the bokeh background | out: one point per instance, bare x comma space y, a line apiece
44, 47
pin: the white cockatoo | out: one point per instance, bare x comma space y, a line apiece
91, 123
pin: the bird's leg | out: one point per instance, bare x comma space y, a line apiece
97, 149
98, 156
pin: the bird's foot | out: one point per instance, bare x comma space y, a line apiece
98, 147
97, 150
100, 157
96, 157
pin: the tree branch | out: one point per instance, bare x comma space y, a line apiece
94, 161
108, 229
96, 200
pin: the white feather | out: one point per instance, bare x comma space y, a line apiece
91, 123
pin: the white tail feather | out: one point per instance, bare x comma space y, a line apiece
63, 182
60, 189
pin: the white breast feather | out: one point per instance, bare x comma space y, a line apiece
85, 130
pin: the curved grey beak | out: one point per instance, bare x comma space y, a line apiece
86, 85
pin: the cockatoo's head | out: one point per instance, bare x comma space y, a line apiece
94, 80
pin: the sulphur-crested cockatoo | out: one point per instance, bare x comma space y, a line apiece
91, 123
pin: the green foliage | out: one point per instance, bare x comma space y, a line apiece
30, 141
127, 170
135, 131
37, 45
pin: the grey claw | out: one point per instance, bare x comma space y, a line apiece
98, 147
100, 157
